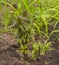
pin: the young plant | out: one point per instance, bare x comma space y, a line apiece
23, 49
6, 20
35, 50
40, 49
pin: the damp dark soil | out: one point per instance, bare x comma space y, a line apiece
9, 56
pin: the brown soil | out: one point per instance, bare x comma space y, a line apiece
9, 56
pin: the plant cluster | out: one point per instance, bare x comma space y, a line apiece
28, 20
